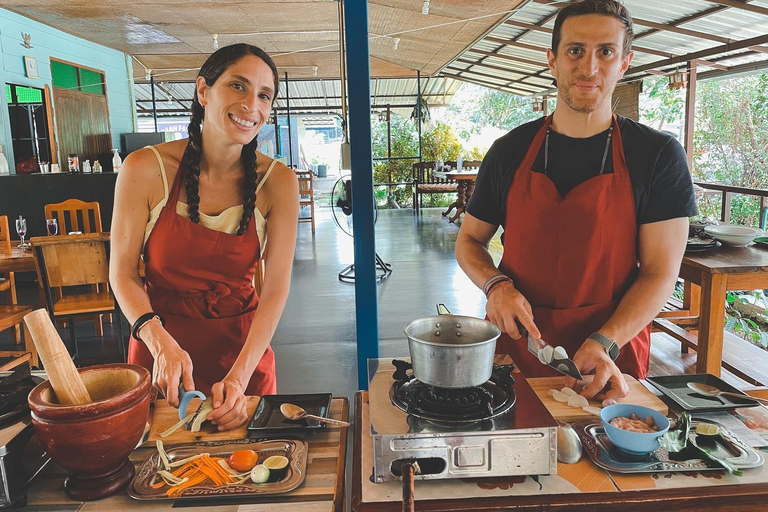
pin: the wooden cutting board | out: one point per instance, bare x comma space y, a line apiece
165, 416
638, 395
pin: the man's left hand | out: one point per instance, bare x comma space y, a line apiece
229, 405
591, 357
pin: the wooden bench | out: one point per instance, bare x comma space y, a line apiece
425, 181
740, 357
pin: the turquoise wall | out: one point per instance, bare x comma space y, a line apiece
48, 42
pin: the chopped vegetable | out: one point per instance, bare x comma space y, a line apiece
707, 429
560, 397
578, 401
545, 354
560, 353
568, 391
201, 415
592, 410
260, 474
177, 426
276, 462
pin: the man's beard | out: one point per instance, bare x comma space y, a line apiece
584, 108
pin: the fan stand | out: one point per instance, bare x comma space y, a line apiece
383, 270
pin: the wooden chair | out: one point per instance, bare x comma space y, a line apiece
425, 181
11, 316
7, 279
307, 197
75, 260
84, 217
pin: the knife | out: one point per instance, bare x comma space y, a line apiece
566, 366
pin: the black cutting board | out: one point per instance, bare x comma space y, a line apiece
676, 388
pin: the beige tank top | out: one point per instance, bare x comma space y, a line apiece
227, 221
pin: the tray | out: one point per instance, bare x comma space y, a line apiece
294, 449
676, 388
604, 454
269, 418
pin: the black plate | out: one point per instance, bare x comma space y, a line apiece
676, 388
269, 418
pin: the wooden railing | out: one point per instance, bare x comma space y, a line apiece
727, 191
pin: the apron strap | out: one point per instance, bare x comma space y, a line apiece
266, 175
162, 172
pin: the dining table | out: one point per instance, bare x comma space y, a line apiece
466, 185
716, 271
16, 259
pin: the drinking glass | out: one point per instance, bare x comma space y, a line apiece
21, 229
52, 226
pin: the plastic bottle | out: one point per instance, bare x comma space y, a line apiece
4, 169
459, 163
87, 166
117, 162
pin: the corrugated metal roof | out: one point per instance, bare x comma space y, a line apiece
175, 98
667, 35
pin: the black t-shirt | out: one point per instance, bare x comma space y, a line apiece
658, 170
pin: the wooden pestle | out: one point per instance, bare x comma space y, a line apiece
62, 374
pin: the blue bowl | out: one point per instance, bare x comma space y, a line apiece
635, 443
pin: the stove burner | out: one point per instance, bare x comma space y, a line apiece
464, 405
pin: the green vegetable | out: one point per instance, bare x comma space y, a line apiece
718, 460
676, 437
260, 474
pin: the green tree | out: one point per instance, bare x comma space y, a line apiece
404, 142
440, 143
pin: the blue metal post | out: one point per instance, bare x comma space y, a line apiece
359, 87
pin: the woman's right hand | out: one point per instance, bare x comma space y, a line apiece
172, 363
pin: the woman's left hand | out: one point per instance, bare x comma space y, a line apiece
229, 405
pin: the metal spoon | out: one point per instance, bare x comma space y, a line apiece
707, 390
294, 412
569, 447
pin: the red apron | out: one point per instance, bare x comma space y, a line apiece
201, 282
572, 257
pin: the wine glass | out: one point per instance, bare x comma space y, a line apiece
21, 229
52, 226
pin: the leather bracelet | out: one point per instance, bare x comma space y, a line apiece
491, 280
496, 285
142, 321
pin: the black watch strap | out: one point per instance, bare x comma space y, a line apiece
610, 346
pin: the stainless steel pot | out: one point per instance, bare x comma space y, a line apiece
452, 351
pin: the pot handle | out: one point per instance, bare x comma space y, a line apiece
409, 469
442, 310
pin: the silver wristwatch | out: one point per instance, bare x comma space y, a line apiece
610, 346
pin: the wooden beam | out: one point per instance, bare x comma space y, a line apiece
498, 87
744, 6
496, 77
690, 111
507, 57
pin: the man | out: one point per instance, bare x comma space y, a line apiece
594, 209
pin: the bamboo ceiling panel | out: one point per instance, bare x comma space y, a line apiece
170, 35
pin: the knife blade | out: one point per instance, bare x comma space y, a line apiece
566, 366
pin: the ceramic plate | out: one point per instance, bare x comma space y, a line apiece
268, 417
604, 454
294, 449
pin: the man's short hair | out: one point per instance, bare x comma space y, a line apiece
605, 7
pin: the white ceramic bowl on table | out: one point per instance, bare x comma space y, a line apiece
735, 236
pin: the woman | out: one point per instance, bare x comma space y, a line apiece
196, 323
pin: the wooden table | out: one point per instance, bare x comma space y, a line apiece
577, 487
16, 260
466, 184
716, 271
321, 491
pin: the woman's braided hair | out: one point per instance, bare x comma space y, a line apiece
213, 68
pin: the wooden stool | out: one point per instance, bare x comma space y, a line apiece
11, 316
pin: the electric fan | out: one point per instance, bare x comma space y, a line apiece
341, 208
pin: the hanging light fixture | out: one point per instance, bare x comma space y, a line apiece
538, 105
215, 41
314, 70
678, 80
395, 42
425, 7
147, 75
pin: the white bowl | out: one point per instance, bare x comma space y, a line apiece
735, 236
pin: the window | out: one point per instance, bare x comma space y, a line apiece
29, 123
69, 76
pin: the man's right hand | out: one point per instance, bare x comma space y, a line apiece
508, 309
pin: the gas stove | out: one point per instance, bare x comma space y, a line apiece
500, 428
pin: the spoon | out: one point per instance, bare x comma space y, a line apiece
294, 412
569, 447
707, 390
